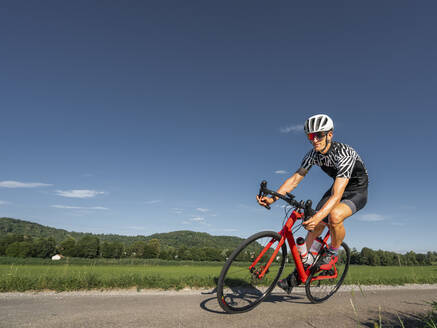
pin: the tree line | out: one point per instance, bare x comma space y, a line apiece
369, 256
90, 246
175, 238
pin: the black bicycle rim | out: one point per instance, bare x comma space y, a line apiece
319, 291
240, 289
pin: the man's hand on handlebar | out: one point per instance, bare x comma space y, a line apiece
310, 224
265, 201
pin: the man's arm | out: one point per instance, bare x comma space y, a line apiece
337, 192
287, 186
291, 183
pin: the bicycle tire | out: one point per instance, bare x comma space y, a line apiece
315, 289
231, 286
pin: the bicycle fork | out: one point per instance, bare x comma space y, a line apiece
266, 248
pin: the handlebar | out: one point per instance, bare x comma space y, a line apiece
289, 198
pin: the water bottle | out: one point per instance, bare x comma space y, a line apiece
306, 257
315, 247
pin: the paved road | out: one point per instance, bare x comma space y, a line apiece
196, 309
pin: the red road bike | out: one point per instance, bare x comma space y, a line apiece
251, 272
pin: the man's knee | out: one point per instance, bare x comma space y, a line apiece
337, 216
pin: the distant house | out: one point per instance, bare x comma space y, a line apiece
57, 257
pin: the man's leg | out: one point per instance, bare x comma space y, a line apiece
312, 235
340, 212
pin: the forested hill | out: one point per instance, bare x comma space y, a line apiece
195, 239
175, 239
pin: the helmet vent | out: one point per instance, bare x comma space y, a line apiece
312, 122
324, 121
318, 123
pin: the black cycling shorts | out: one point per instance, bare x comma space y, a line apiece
354, 199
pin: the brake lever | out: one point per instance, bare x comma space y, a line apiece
262, 186
261, 189
308, 211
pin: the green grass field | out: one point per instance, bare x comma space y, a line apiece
76, 277
90, 274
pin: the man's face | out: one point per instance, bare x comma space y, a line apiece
319, 139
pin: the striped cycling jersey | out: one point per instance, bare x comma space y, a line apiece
341, 161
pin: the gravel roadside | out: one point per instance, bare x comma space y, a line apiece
200, 291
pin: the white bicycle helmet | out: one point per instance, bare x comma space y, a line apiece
318, 123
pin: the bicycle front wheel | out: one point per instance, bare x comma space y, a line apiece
241, 285
322, 284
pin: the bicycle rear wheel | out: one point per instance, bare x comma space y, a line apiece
239, 288
319, 287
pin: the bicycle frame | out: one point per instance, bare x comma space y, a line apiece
287, 234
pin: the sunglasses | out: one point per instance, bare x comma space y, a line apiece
318, 135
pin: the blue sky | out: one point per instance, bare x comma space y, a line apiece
142, 117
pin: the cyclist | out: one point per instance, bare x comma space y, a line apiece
347, 195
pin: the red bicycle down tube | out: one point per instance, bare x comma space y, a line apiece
291, 243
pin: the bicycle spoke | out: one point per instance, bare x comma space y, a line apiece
323, 284
243, 284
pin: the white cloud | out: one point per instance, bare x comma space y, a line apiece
79, 193
202, 209
150, 202
80, 207
197, 219
281, 172
66, 207
177, 210
292, 128
17, 184
371, 217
